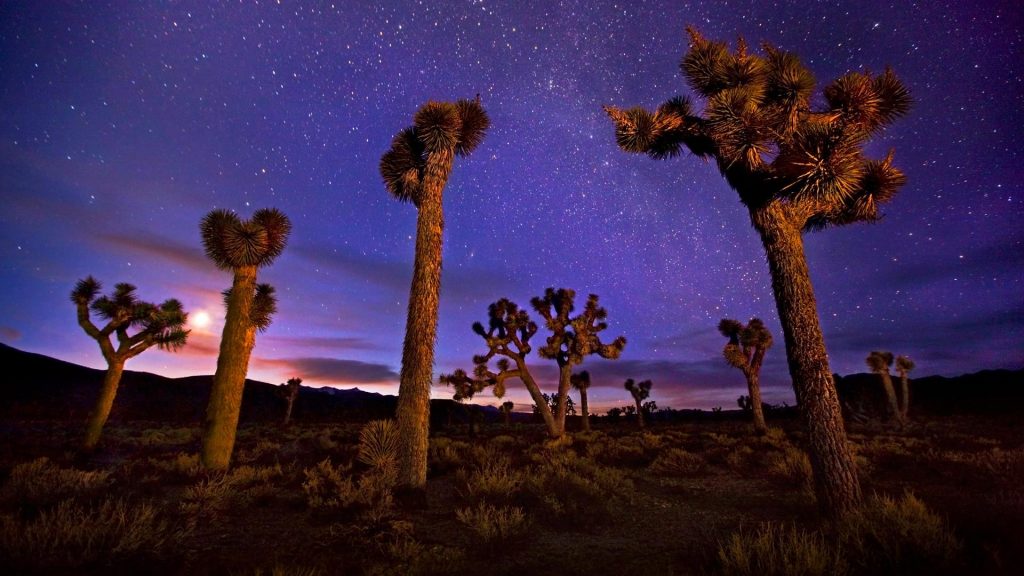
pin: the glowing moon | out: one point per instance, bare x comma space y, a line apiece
199, 319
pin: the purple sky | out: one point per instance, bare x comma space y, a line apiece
122, 125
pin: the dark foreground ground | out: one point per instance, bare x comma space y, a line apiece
701, 498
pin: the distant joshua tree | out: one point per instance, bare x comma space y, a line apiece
161, 325
904, 365
640, 392
506, 409
572, 338
416, 170
242, 246
581, 382
745, 350
508, 334
879, 362
795, 168
291, 392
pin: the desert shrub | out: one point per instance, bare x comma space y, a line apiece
502, 442
574, 491
774, 550
264, 451
164, 437
739, 458
411, 558
495, 481
73, 536
179, 466
792, 464
625, 452
678, 462
378, 444
40, 484
898, 536
444, 454
281, 570
332, 488
493, 524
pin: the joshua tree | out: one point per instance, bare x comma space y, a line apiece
795, 168
291, 392
745, 350
640, 392
572, 339
416, 169
903, 367
506, 409
581, 381
879, 362
242, 246
161, 325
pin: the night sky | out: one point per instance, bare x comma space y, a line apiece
122, 125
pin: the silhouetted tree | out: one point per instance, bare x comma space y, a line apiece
615, 413
904, 365
416, 170
745, 350
242, 246
572, 338
290, 394
640, 391
581, 382
161, 325
879, 362
795, 168
506, 409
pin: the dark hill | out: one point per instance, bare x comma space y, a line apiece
986, 392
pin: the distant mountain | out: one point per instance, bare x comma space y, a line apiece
985, 392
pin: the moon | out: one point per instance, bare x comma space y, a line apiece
199, 319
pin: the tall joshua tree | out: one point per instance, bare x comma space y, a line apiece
640, 392
572, 338
795, 168
416, 169
745, 350
581, 381
904, 365
879, 362
161, 325
291, 392
242, 246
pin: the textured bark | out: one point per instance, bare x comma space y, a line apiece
413, 414
100, 413
890, 396
835, 472
639, 413
288, 412
538, 399
585, 409
236, 345
754, 388
564, 374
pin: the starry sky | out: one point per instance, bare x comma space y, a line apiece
122, 124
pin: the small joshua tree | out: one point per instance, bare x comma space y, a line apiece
796, 167
572, 338
161, 325
903, 367
640, 392
416, 169
506, 409
242, 246
745, 350
291, 392
879, 362
581, 381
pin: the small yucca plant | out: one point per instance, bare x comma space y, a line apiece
378, 444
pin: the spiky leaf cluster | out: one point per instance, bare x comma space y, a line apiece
747, 343
235, 243
457, 127
904, 365
767, 140
161, 324
264, 306
640, 390
573, 338
879, 361
580, 380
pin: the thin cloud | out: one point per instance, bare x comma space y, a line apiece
150, 244
331, 370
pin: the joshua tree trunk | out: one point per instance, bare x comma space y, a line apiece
288, 411
890, 397
413, 412
564, 373
835, 472
754, 388
639, 413
101, 412
904, 397
584, 410
229, 380
538, 400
